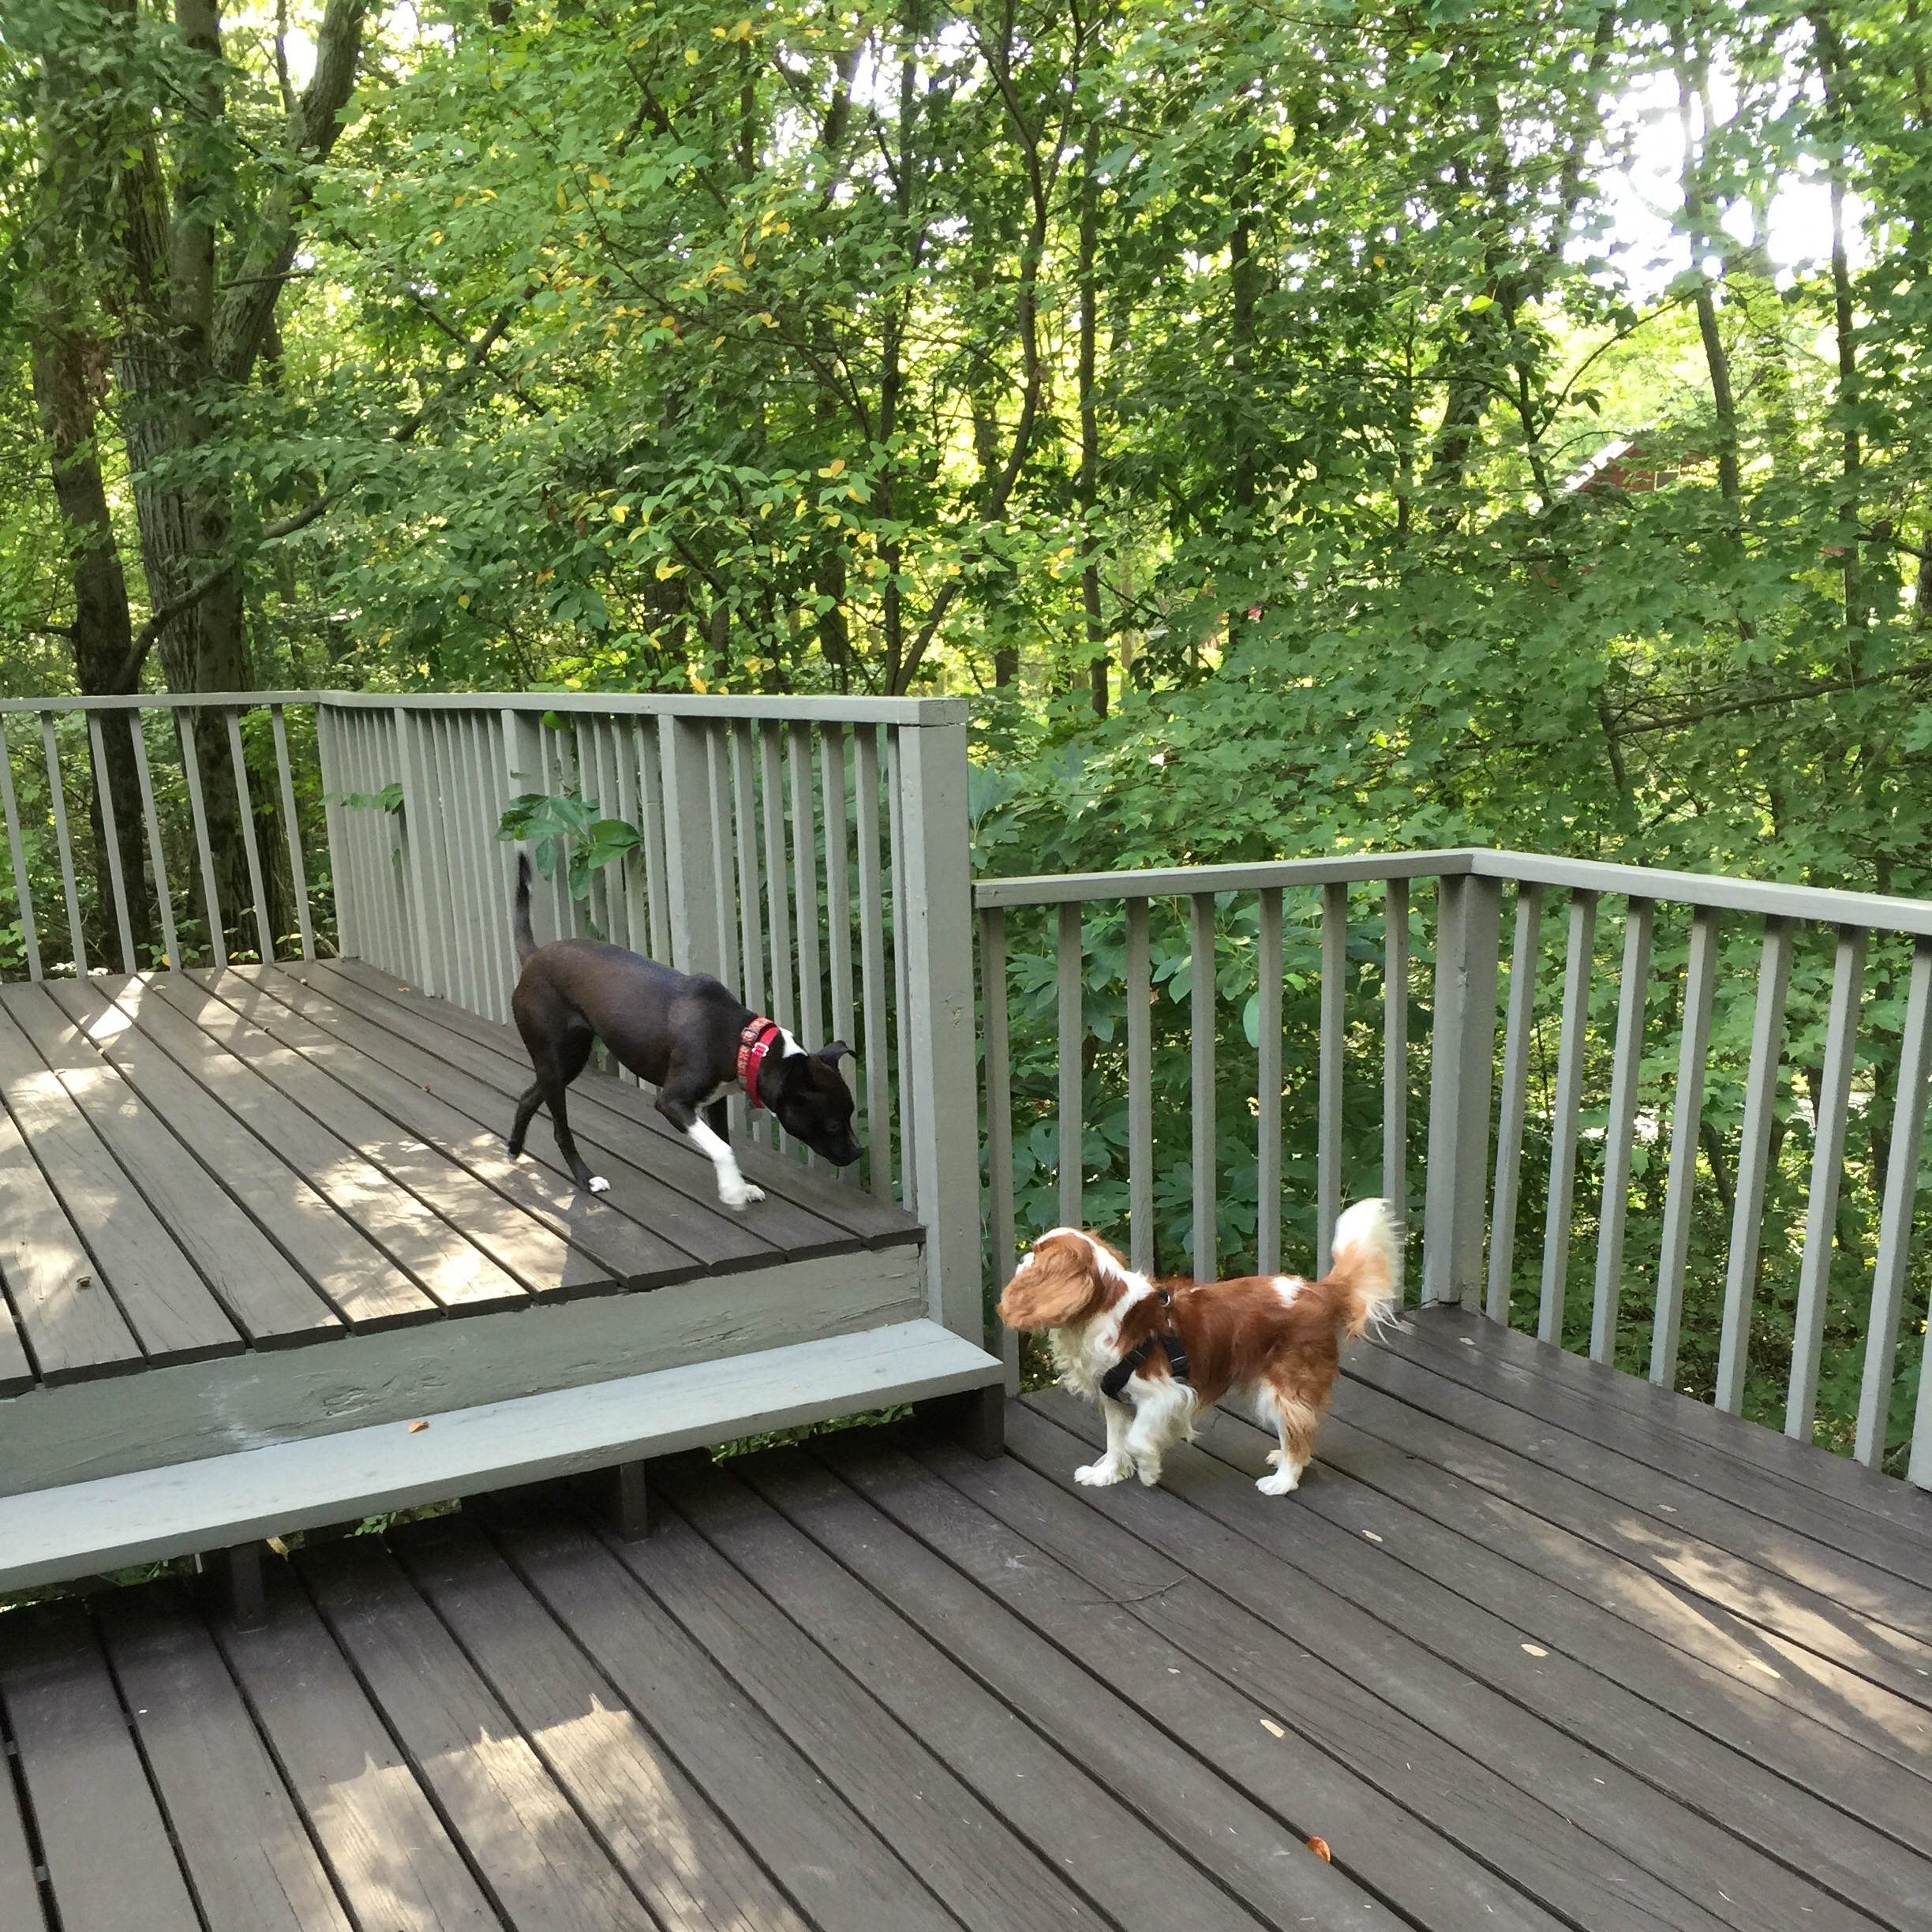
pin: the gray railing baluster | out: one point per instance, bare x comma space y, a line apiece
724, 862
1754, 1165
1000, 1216
838, 902
1687, 1118
777, 907
250, 845
1268, 1082
1614, 1215
461, 811
1142, 1247
1330, 1071
70, 884
1513, 1106
1201, 955
157, 852
750, 918
1395, 1048
872, 968
1829, 1107
1072, 1035
191, 765
111, 832
1895, 1231
636, 911
911, 1181
298, 871
1569, 1104
17, 851
805, 890
656, 865
422, 861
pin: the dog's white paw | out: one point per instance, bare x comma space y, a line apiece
599, 1185
741, 1196
1284, 1479
1149, 1473
1108, 1469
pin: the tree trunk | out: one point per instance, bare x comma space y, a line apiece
1090, 426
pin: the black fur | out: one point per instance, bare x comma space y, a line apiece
678, 1031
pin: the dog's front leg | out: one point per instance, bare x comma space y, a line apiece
734, 1189
1117, 1465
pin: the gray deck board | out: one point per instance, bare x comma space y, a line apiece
876, 1223
102, 1832
74, 1331
1785, 1825
875, 1683
543, 1870
159, 1290
1883, 1581
1873, 1518
364, 1286
715, 1236
410, 1086
240, 1837
1071, 1821
659, 1827
264, 1294
386, 1848
842, 1873
1807, 1616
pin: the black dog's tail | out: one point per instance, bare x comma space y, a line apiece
520, 920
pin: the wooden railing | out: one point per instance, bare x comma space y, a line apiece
810, 852
1114, 1087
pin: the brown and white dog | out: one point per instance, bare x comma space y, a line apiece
1271, 1341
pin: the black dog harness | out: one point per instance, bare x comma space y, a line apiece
1129, 1365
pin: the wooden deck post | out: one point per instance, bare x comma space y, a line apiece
932, 905
974, 1418
1462, 1054
233, 1579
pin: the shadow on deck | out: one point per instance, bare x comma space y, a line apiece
1535, 1645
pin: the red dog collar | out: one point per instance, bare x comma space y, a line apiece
754, 1043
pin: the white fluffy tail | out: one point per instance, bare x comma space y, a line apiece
1365, 1275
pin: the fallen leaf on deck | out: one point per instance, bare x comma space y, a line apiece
415, 1426
1319, 1847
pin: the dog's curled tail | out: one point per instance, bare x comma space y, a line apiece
520, 918
1365, 1275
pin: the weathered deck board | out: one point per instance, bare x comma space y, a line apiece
74, 1331
877, 1223
264, 1294
876, 1682
711, 1239
1815, 1842
1805, 1618
496, 1057
137, 1259
1891, 1596
360, 1282
102, 1832
543, 1870
660, 1829
408, 1085
1881, 1521
253, 1867
20, 1889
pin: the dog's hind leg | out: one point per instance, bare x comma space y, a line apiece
1296, 1421
556, 1068
528, 1101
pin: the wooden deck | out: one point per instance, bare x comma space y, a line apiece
1535, 1646
246, 1206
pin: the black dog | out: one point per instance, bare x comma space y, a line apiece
688, 1035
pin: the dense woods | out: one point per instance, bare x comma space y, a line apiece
1294, 425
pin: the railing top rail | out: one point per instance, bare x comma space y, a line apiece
601, 704
1824, 905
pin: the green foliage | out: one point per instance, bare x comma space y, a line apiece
551, 822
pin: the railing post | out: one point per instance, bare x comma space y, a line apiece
932, 906
423, 883
1462, 1055
690, 846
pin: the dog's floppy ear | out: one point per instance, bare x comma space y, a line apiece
1057, 1284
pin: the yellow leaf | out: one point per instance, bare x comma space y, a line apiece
620, 511
544, 577
563, 199
744, 30
699, 685
666, 570
717, 341
691, 54
463, 601
836, 467
718, 33
600, 181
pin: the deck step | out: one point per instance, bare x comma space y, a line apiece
55, 1535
